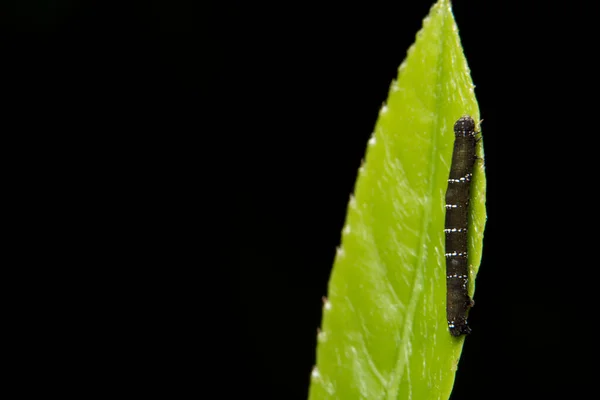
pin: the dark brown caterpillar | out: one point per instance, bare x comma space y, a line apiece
458, 301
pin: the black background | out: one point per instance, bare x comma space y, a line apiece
255, 117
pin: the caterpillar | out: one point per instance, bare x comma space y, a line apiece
458, 301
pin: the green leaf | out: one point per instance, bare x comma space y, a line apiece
384, 333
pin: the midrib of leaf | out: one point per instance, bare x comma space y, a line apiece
418, 281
